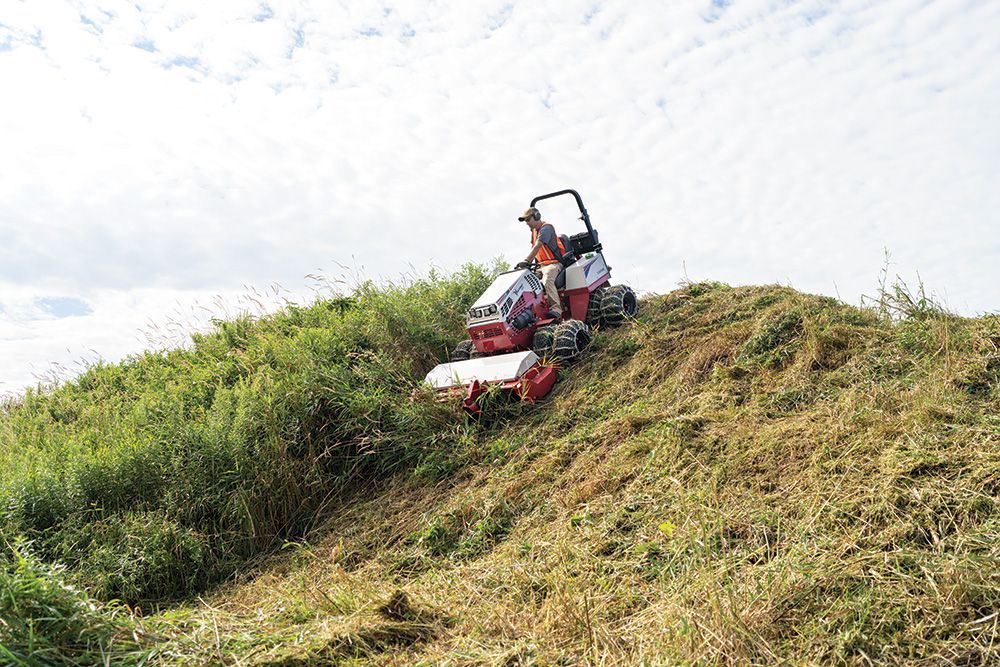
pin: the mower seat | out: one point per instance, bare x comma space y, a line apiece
561, 278
567, 260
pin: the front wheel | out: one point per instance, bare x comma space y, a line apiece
541, 342
570, 339
464, 350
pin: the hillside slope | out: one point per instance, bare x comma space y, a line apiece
741, 476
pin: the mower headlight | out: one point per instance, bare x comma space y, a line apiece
476, 313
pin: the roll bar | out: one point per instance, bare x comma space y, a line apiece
583, 210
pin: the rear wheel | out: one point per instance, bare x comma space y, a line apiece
594, 305
618, 304
464, 350
570, 339
541, 342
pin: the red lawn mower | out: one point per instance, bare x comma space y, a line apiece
513, 343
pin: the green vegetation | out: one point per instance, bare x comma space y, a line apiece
153, 478
741, 475
44, 621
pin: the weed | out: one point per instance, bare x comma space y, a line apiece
45, 621
775, 332
173, 468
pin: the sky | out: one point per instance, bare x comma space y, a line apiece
165, 162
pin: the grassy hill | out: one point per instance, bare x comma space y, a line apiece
743, 475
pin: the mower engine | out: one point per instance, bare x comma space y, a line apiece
506, 315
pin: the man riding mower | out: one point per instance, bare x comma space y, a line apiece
520, 325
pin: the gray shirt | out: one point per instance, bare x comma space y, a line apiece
547, 234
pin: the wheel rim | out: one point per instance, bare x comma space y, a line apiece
629, 304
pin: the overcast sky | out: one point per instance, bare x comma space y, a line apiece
159, 158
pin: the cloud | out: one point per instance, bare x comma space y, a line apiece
191, 148
265, 13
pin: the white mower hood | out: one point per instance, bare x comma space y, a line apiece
485, 369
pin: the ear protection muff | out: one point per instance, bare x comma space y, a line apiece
536, 216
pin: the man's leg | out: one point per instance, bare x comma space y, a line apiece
549, 274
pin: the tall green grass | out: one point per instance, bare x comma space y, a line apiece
44, 621
155, 477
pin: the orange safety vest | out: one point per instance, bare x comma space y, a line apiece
545, 255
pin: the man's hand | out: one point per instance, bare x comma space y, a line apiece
523, 265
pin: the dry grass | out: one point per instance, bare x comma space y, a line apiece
745, 476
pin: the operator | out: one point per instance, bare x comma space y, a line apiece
548, 248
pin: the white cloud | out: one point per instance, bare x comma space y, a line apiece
188, 148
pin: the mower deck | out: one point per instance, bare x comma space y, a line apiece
518, 372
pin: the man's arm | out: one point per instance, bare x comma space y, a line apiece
531, 255
534, 251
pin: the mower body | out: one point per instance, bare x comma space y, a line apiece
506, 316
583, 278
